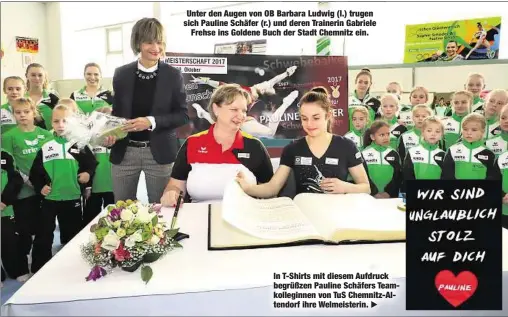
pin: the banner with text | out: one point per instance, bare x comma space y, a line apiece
453, 41
241, 47
276, 84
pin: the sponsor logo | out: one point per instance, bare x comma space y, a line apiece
203, 150
483, 157
390, 158
418, 158
48, 157
244, 155
438, 158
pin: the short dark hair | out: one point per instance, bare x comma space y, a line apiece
147, 30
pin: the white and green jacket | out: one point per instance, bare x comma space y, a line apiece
469, 160
103, 98
452, 129
356, 136
492, 129
424, 161
498, 144
502, 167
477, 106
57, 165
384, 168
396, 131
7, 118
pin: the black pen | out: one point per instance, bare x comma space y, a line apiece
175, 215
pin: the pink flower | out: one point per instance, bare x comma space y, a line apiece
121, 254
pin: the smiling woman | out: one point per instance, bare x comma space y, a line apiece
151, 94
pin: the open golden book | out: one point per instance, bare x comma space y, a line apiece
243, 222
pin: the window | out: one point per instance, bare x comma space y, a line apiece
114, 38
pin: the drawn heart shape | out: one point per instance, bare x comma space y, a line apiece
456, 289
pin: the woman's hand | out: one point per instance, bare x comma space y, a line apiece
382, 195
109, 141
45, 190
137, 125
333, 186
240, 179
170, 198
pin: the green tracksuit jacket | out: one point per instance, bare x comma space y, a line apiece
103, 98
469, 160
58, 164
384, 169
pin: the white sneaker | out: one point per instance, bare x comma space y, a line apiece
23, 278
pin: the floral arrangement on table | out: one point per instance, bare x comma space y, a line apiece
129, 236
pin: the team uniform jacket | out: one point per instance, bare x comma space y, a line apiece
492, 129
383, 168
408, 140
57, 165
424, 161
501, 164
103, 98
469, 160
478, 105
11, 183
396, 131
7, 118
406, 116
452, 129
356, 136
46, 105
24, 147
498, 144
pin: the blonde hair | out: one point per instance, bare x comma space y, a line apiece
395, 83
422, 107
45, 84
498, 91
27, 102
17, 78
474, 117
225, 95
70, 104
417, 88
361, 109
466, 93
433, 120
478, 75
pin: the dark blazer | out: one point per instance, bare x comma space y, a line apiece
169, 110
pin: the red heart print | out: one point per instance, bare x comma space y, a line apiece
456, 289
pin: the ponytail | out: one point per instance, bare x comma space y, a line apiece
367, 140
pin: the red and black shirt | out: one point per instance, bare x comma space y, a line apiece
207, 169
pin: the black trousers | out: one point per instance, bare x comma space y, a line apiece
70, 222
95, 204
27, 212
14, 258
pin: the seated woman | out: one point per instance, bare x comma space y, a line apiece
208, 160
320, 161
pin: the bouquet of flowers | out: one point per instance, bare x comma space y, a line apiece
129, 236
93, 129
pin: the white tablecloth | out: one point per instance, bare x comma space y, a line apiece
196, 281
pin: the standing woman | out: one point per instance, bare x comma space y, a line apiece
37, 84
361, 96
92, 96
151, 94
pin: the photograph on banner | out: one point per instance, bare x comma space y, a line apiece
27, 44
275, 83
241, 47
453, 41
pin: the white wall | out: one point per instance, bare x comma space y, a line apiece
26, 19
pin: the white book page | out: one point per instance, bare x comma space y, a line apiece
272, 219
332, 212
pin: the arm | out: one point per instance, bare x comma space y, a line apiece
38, 175
180, 171
86, 161
448, 169
393, 187
14, 180
206, 81
178, 116
277, 79
273, 187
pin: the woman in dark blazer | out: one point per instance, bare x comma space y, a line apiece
152, 95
